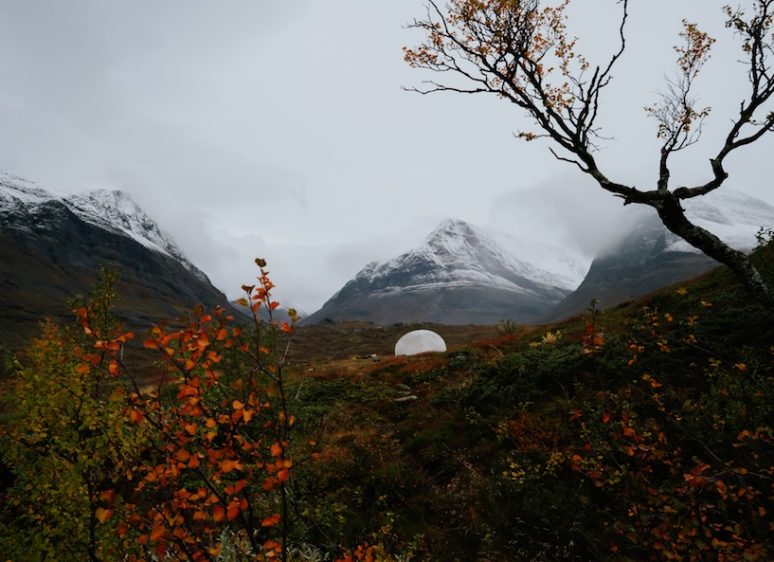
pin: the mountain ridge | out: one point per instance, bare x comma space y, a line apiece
649, 257
459, 274
109, 209
53, 247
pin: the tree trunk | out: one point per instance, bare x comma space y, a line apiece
672, 215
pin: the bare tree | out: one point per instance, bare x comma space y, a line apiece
520, 51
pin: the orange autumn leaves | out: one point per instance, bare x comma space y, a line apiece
518, 49
218, 443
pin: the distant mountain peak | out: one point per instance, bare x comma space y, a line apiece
452, 228
733, 216
459, 274
648, 257
454, 237
455, 253
52, 247
112, 210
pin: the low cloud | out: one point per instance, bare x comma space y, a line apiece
570, 211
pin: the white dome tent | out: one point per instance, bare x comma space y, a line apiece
419, 341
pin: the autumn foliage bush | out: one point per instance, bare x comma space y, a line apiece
67, 440
661, 453
106, 467
686, 452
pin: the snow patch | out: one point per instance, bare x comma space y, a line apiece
732, 216
458, 254
16, 191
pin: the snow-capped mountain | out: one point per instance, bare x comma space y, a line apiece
458, 254
565, 268
648, 257
732, 216
460, 274
111, 210
53, 247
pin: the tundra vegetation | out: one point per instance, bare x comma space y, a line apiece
638, 433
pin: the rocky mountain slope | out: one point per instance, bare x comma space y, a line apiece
460, 275
649, 257
52, 247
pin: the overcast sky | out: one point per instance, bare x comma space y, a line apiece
280, 129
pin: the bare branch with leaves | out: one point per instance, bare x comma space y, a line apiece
521, 51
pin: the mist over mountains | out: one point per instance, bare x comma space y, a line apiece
649, 257
463, 274
52, 247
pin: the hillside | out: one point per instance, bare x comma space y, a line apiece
541, 446
52, 248
643, 432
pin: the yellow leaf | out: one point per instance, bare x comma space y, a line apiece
228, 465
103, 514
550, 338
